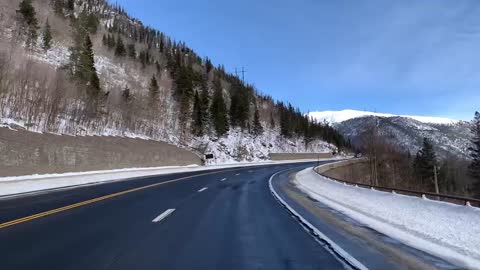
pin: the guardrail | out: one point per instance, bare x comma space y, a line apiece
428, 195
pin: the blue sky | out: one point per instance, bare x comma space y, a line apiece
405, 56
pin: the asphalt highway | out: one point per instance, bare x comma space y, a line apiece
221, 219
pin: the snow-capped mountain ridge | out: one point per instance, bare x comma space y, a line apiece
452, 139
333, 117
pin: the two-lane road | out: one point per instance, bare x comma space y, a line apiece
223, 219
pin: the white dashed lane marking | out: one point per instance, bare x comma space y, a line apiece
163, 215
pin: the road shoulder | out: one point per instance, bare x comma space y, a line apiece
372, 249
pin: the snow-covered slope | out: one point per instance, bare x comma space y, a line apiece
40, 97
407, 133
344, 115
241, 146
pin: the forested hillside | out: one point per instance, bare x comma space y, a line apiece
85, 67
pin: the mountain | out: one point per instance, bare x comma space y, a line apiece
85, 67
340, 116
449, 137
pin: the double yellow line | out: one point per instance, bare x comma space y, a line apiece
76, 205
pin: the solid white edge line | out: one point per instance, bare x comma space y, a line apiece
163, 215
203, 189
340, 251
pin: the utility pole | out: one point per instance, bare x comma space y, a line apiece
375, 152
437, 190
243, 74
243, 71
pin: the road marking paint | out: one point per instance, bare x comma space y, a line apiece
223, 179
163, 215
79, 204
203, 189
237, 174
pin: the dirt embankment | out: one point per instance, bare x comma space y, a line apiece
295, 156
354, 171
24, 153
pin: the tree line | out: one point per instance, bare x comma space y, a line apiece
424, 171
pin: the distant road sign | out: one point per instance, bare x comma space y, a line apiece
209, 156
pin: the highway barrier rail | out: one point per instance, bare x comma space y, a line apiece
426, 195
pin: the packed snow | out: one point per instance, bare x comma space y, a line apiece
32, 183
333, 117
446, 230
238, 145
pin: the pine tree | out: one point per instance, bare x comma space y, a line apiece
204, 102
87, 67
239, 105
47, 37
424, 164
132, 52
88, 21
285, 121
70, 5
257, 126
29, 21
82, 61
126, 95
120, 50
218, 110
144, 57
197, 126
58, 7
474, 167
184, 85
111, 41
162, 44
28, 13
308, 130
105, 40
153, 89
272, 121
208, 65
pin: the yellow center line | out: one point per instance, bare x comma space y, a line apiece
68, 207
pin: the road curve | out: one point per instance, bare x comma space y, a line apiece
223, 219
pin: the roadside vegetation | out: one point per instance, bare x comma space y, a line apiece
167, 88
424, 171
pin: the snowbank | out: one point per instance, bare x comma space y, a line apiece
446, 230
31, 183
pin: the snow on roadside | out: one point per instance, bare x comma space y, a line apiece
241, 146
31, 183
446, 230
